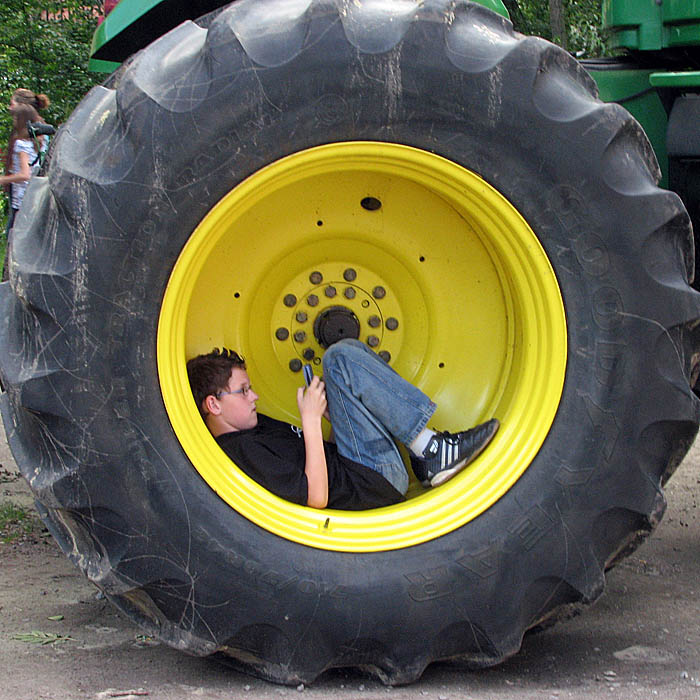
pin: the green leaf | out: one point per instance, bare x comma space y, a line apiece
37, 637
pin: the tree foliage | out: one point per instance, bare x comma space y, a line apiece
45, 46
582, 19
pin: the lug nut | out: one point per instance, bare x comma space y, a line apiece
373, 341
312, 300
349, 275
330, 291
392, 324
300, 336
281, 334
379, 292
385, 355
308, 354
349, 293
374, 321
290, 300
295, 364
302, 317
316, 277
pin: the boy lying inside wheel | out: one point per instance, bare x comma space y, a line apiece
370, 408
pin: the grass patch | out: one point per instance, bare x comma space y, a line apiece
16, 522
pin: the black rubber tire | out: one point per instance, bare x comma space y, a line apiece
143, 160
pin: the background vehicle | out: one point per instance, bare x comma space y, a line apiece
280, 174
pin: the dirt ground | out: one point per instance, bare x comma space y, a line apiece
641, 639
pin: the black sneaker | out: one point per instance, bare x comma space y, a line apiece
448, 453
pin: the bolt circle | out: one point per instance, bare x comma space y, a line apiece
333, 323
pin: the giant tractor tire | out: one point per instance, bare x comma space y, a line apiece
417, 175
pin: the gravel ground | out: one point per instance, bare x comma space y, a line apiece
641, 639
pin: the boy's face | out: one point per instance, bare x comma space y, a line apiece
236, 405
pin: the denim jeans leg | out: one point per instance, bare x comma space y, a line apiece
371, 406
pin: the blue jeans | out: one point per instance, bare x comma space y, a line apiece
371, 406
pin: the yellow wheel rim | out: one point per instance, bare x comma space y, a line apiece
443, 276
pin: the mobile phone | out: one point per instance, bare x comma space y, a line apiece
308, 374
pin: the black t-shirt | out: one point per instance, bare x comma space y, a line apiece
273, 454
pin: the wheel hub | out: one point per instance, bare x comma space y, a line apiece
311, 319
334, 324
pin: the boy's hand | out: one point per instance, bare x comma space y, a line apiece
312, 405
312, 400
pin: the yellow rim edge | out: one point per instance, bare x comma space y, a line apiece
537, 327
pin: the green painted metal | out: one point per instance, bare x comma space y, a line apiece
496, 6
630, 86
681, 79
650, 25
122, 16
94, 64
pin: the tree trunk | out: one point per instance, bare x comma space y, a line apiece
557, 22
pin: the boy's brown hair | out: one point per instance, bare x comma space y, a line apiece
209, 374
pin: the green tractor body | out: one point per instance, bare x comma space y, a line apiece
655, 78
648, 25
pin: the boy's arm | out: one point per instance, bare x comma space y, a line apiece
312, 405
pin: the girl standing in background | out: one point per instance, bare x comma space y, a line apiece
23, 153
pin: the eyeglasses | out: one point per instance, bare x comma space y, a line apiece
244, 390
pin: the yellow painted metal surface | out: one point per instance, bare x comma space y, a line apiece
478, 320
